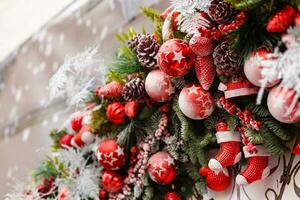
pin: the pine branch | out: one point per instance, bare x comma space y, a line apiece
125, 136
179, 82
254, 136
157, 21
45, 170
259, 110
278, 130
125, 36
55, 136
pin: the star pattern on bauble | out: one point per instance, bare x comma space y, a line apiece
203, 97
162, 82
158, 168
109, 158
193, 90
170, 90
170, 161
120, 151
178, 56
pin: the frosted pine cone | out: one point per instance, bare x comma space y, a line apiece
134, 90
147, 50
134, 42
221, 12
226, 61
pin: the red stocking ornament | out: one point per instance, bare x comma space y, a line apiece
257, 166
230, 150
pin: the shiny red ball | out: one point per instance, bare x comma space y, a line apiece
162, 168
131, 109
112, 181
110, 155
116, 113
175, 57
172, 196
65, 140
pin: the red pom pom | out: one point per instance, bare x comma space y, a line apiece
112, 181
116, 113
131, 109
175, 57
205, 71
172, 196
110, 155
217, 182
161, 168
65, 140
76, 121
282, 20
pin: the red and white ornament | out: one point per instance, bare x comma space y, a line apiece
83, 137
65, 140
284, 104
76, 121
110, 155
205, 71
112, 181
162, 168
195, 102
116, 113
171, 195
216, 181
254, 67
175, 57
158, 86
201, 46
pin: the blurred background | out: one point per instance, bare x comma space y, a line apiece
35, 37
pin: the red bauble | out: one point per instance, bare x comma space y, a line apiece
112, 89
296, 149
283, 106
116, 113
175, 57
131, 109
83, 137
205, 71
282, 20
201, 46
65, 140
161, 168
172, 196
110, 155
217, 182
253, 67
195, 102
158, 86
112, 181
76, 121
102, 194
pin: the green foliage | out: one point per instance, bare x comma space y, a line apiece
232, 122
93, 98
259, 110
125, 36
254, 136
157, 21
276, 128
114, 76
55, 136
45, 170
126, 61
179, 82
100, 124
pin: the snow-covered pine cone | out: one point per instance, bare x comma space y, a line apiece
147, 50
134, 42
221, 11
134, 90
226, 61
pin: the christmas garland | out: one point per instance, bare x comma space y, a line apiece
215, 74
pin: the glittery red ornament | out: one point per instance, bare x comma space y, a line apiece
76, 121
201, 46
158, 86
131, 109
205, 71
217, 182
195, 102
112, 181
110, 155
161, 168
282, 20
65, 140
175, 57
116, 113
102, 194
112, 89
171, 195
296, 149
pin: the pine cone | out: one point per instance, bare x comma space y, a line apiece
147, 50
221, 12
226, 61
134, 42
134, 90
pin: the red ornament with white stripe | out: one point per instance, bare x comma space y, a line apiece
158, 86
195, 102
175, 57
110, 155
162, 168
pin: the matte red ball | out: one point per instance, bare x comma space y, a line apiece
112, 181
116, 113
110, 155
131, 109
65, 140
172, 196
161, 168
175, 57
76, 121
